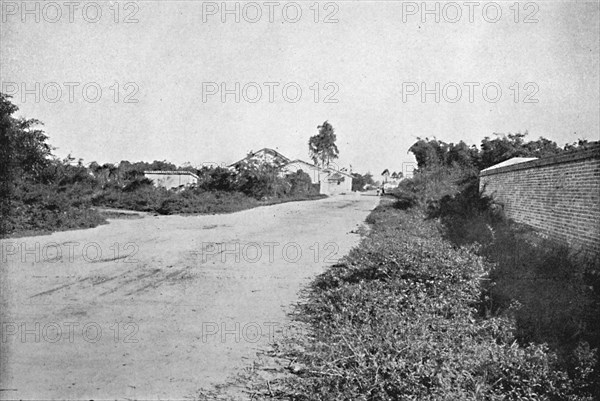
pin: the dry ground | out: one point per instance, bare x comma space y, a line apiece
160, 307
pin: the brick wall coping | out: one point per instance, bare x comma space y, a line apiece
591, 153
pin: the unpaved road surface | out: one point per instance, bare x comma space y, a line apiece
160, 307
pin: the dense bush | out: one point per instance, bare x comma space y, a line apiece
40, 193
430, 185
301, 184
405, 198
216, 179
40, 208
260, 180
360, 181
551, 292
399, 318
447, 300
432, 153
138, 195
557, 289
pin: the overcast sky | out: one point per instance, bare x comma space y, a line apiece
371, 58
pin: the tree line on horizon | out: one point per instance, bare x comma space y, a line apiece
40, 191
432, 153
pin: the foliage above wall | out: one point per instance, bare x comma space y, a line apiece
435, 153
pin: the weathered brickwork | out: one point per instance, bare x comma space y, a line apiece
559, 196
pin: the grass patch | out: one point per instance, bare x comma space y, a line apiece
400, 318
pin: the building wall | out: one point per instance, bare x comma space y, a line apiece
333, 188
559, 196
315, 173
171, 180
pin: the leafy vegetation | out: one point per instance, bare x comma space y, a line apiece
41, 193
38, 192
432, 153
359, 181
401, 318
322, 146
219, 190
446, 300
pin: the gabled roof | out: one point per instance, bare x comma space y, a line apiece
337, 176
286, 162
272, 152
269, 151
304, 162
333, 171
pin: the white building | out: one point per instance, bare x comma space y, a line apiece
390, 181
336, 183
332, 181
316, 173
171, 179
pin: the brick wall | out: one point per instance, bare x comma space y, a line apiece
559, 196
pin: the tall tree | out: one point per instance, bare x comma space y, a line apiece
24, 154
322, 146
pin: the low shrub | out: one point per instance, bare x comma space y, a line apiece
41, 208
432, 184
552, 292
404, 199
399, 318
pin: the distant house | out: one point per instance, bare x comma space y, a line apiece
316, 173
336, 182
385, 176
390, 181
331, 181
265, 155
171, 179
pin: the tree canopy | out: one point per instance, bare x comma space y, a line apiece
322, 146
24, 152
433, 152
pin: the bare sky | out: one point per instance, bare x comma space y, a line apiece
374, 55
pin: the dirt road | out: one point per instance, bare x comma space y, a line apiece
160, 307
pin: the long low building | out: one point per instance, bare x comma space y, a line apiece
172, 179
